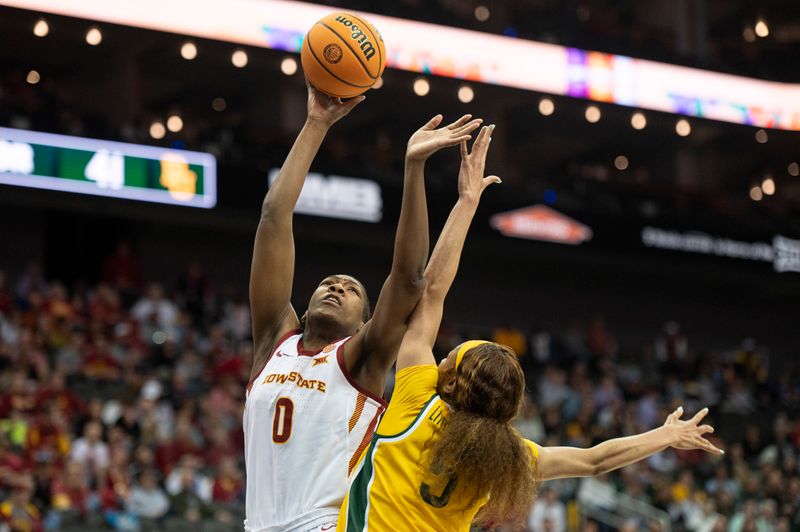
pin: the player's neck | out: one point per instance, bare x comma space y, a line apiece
319, 334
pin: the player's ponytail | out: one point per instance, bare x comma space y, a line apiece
479, 450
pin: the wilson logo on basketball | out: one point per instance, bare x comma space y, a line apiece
358, 35
332, 53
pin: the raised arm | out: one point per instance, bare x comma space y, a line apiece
566, 462
373, 350
417, 344
272, 270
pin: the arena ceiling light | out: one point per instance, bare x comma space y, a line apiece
175, 123
421, 87
793, 169
289, 66
465, 94
473, 56
219, 104
762, 30
768, 186
41, 28
239, 58
638, 121
189, 50
683, 127
546, 106
761, 136
593, 114
157, 130
94, 36
756, 194
33, 77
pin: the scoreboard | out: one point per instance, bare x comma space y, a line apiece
106, 168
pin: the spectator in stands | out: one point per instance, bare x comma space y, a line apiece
91, 451
18, 512
547, 508
155, 313
147, 500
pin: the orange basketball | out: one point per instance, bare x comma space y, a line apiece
343, 55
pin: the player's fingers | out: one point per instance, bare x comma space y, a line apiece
698, 417
433, 122
709, 447
675, 415
491, 180
460, 122
352, 102
468, 127
464, 152
706, 429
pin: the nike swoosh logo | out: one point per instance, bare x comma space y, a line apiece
328, 527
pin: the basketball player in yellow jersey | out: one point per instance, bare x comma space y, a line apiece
445, 453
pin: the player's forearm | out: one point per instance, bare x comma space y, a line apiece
620, 452
282, 197
442, 267
411, 243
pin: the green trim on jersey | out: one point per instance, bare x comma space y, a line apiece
414, 422
358, 496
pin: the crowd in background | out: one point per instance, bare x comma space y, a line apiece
121, 407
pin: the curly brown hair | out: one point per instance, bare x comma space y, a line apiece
478, 445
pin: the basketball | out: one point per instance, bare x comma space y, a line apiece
343, 55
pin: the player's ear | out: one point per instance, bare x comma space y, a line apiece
304, 317
449, 383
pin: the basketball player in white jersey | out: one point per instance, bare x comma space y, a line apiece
316, 388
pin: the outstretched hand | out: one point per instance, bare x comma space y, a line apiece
471, 182
327, 110
427, 140
689, 434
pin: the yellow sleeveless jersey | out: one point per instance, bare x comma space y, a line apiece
391, 488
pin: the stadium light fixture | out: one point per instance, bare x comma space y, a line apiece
189, 50
289, 66
421, 87
768, 186
94, 36
219, 104
683, 127
175, 123
762, 30
41, 28
33, 77
546, 106
465, 94
239, 58
157, 130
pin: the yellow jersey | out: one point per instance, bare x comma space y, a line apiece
391, 488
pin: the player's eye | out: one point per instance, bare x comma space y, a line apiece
354, 291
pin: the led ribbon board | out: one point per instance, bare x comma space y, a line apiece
468, 55
105, 168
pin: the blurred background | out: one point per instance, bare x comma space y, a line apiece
658, 266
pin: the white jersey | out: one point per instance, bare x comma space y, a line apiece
306, 422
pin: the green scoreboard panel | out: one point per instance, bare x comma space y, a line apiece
105, 168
